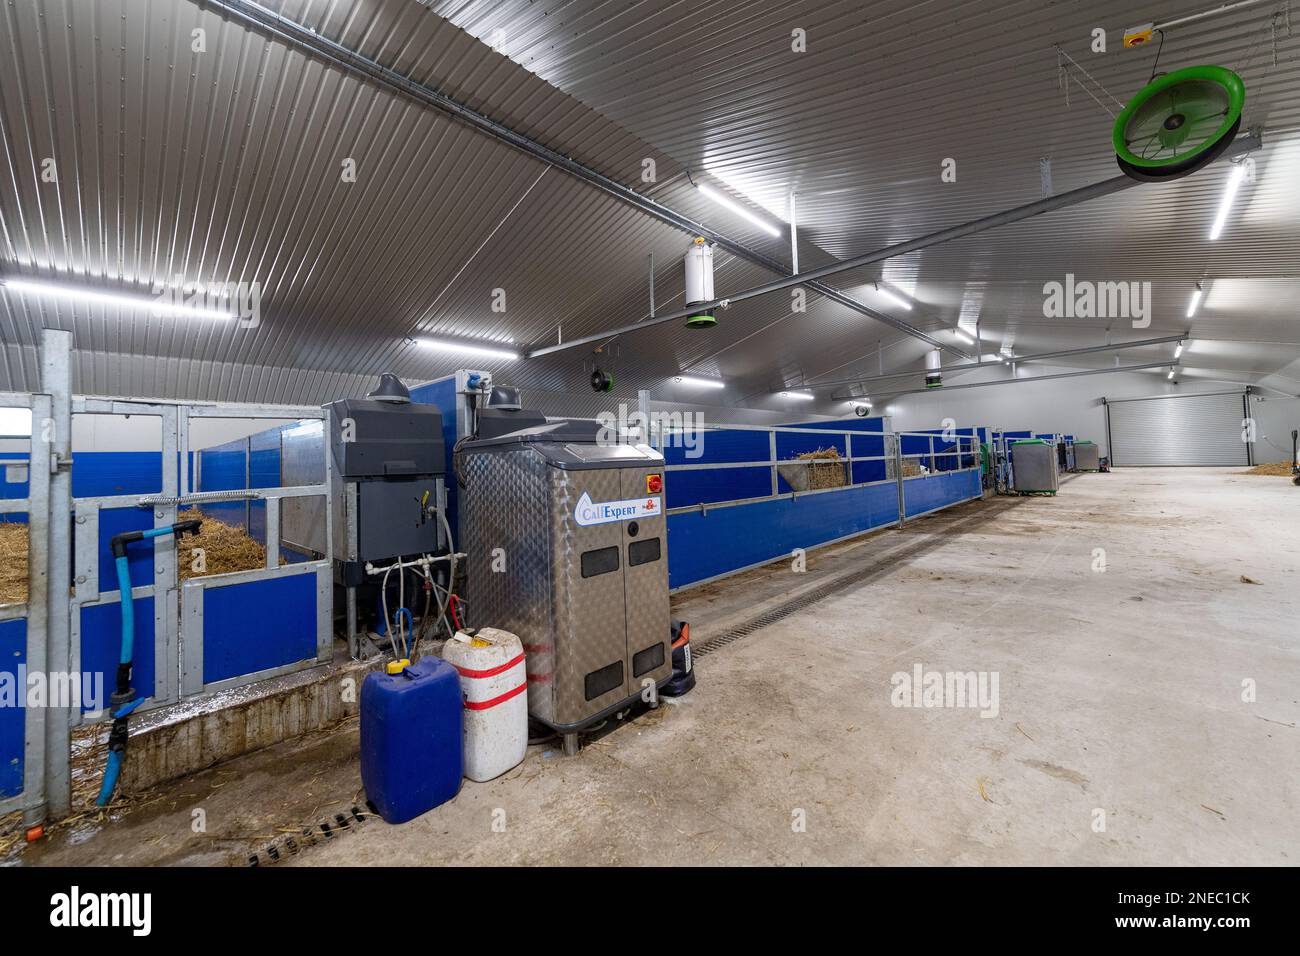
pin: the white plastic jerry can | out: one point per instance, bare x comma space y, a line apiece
494, 687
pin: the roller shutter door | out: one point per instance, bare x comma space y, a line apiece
1182, 430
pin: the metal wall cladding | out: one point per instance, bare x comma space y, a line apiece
226, 165
1182, 430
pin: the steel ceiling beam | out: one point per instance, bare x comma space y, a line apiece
296, 35
1019, 381
1018, 359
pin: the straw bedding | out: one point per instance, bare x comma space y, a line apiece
13, 562
826, 470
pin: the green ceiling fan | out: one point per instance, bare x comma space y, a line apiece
1178, 123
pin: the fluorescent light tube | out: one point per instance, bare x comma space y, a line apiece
1195, 303
469, 348
738, 209
893, 297
1178, 351
700, 382
801, 396
156, 306
1229, 196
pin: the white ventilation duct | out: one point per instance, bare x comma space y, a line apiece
699, 283
933, 377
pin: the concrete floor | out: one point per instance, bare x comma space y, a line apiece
1121, 735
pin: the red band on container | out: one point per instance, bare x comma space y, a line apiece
485, 704
492, 671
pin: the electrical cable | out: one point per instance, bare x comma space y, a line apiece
1159, 48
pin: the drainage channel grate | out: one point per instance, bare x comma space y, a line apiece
782, 611
326, 831
830, 589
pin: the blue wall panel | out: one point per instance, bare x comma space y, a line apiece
935, 491
708, 485
113, 521
100, 473
723, 446
443, 394
263, 472
264, 464
863, 446
13, 652
101, 645
225, 468
794, 444
854, 424
705, 545
258, 625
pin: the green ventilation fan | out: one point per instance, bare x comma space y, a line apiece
1178, 123
602, 381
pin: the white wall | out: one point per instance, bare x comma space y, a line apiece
144, 432
1073, 406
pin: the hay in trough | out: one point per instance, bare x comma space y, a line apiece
226, 548
13, 562
1275, 469
825, 468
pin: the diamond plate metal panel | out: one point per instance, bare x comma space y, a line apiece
645, 586
590, 612
511, 590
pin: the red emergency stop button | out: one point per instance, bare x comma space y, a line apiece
654, 484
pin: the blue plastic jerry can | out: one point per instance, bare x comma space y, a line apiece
411, 738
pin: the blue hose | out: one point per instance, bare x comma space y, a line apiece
124, 698
111, 770
115, 757
128, 609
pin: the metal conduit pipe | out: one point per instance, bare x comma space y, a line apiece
1018, 359
1019, 381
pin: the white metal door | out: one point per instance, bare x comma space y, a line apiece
1178, 430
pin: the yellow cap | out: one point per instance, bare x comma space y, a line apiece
396, 667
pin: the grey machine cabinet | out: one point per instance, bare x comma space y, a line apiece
567, 548
388, 482
1034, 467
1087, 456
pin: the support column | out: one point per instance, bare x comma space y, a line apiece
56, 381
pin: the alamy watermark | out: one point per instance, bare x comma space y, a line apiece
1084, 299
675, 429
949, 689
38, 689
237, 300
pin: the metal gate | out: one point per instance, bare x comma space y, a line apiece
64, 634
24, 625
209, 632
1196, 429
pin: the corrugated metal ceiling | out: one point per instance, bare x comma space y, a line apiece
225, 165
